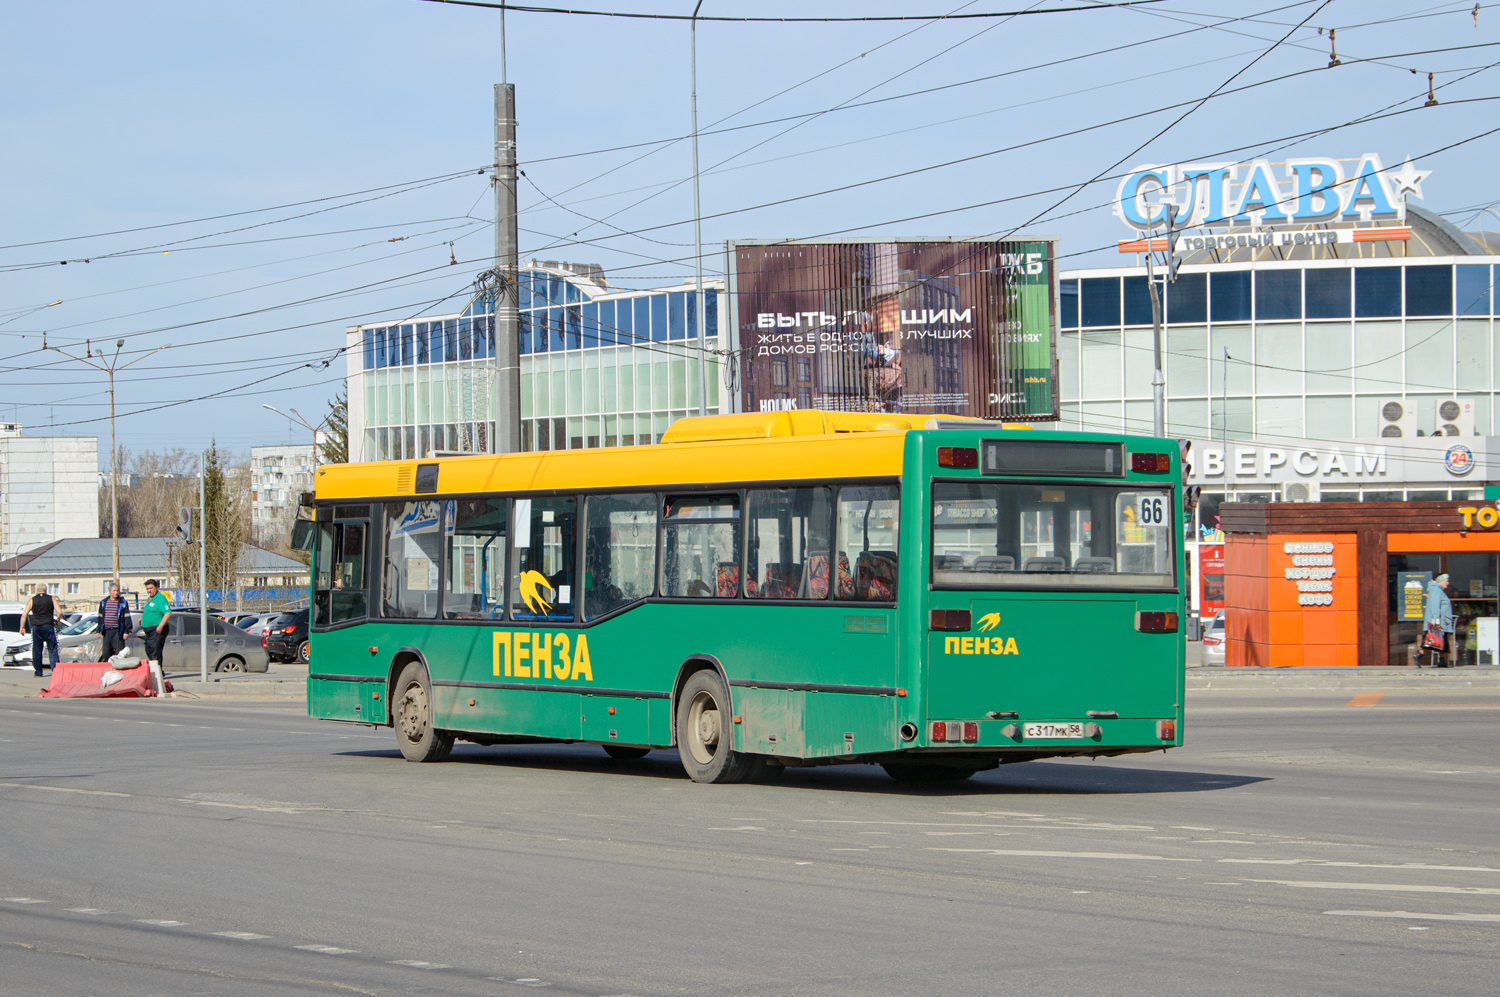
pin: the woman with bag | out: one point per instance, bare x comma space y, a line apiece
1438, 635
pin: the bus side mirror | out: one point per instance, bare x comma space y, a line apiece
302, 534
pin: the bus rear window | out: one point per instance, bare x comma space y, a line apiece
1008, 536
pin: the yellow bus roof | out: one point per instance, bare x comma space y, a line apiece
806, 445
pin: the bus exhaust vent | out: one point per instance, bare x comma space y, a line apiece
404, 475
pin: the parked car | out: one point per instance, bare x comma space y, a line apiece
264, 624
287, 640
1213, 640
10, 621
78, 642
230, 649
239, 619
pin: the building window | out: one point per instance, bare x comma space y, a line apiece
1473, 287
778, 373
260, 581
1068, 293
1230, 297
1328, 293
1377, 292
1187, 298
804, 368
1278, 294
1099, 300
1429, 290
1137, 301
72, 588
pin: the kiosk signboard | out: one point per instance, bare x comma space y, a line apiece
950, 327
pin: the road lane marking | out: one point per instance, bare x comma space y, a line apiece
161, 923
1484, 918
60, 789
23, 900
1483, 891
244, 936
1032, 853
1335, 864
327, 949
86, 910
1365, 699
419, 964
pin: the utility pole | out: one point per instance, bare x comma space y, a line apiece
1158, 377
96, 359
202, 576
507, 269
1224, 414
698, 229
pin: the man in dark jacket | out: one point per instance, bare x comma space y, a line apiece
114, 622
40, 616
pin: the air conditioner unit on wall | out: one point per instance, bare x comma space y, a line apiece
1455, 417
1302, 491
1398, 417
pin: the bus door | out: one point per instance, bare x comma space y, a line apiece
1053, 575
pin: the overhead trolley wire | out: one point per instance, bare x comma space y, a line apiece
761, 19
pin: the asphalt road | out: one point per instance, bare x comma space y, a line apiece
1298, 844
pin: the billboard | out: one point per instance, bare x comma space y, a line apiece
930, 326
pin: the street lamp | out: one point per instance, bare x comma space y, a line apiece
96, 359
297, 418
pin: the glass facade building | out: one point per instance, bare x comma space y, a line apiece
1269, 350
599, 367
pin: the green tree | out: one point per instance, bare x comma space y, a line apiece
335, 446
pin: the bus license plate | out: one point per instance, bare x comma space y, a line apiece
1053, 730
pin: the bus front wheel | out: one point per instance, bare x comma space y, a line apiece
705, 733
419, 740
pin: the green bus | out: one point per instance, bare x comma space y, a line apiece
801, 588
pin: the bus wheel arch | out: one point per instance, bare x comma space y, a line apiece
685, 671
403, 657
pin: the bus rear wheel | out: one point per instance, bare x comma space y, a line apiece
705, 733
925, 774
418, 739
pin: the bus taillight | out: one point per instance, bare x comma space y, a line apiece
1155, 621
954, 731
948, 619
1166, 730
1150, 463
958, 457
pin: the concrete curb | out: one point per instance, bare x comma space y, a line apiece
1312, 679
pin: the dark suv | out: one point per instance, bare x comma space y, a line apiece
286, 640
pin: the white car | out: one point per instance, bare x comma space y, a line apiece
10, 622
79, 642
1214, 639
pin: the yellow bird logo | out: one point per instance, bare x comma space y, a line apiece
531, 582
989, 621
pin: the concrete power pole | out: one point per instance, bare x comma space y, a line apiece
702, 301
507, 393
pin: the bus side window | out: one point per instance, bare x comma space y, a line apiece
475, 558
787, 554
866, 543
413, 534
544, 539
619, 565
701, 547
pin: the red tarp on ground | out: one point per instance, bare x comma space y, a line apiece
81, 679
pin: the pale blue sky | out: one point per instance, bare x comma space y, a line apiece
115, 116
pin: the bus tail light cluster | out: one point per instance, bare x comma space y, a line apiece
948, 619
954, 731
1156, 622
1166, 730
1151, 463
958, 457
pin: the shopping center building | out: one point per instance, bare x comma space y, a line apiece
600, 366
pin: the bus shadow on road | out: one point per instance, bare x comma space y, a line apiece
1029, 778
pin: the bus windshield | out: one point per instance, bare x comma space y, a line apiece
1051, 536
